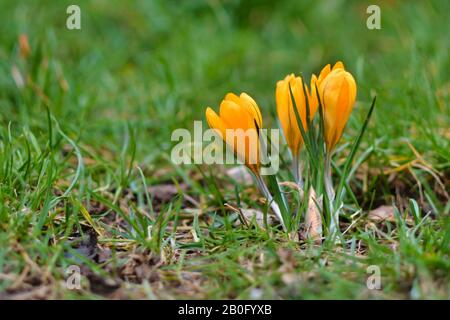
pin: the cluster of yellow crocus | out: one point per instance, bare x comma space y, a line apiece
334, 90
337, 93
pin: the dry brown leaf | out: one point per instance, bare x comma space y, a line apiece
293, 186
24, 46
258, 215
313, 219
249, 214
382, 213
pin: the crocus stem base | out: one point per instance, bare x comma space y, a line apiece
296, 171
265, 191
334, 219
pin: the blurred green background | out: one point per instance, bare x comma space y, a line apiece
158, 64
139, 69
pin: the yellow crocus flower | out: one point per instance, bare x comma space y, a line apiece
238, 123
286, 113
337, 90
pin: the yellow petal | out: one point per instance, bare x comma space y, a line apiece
324, 73
338, 65
215, 122
231, 114
232, 97
252, 107
312, 96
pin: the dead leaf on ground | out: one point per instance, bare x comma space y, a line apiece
383, 213
251, 214
313, 219
387, 213
141, 266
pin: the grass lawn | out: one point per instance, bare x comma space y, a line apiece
86, 179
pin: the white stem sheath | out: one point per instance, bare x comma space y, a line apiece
296, 171
265, 191
334, 223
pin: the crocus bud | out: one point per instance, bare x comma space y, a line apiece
337, 90
286, 113
238, 125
